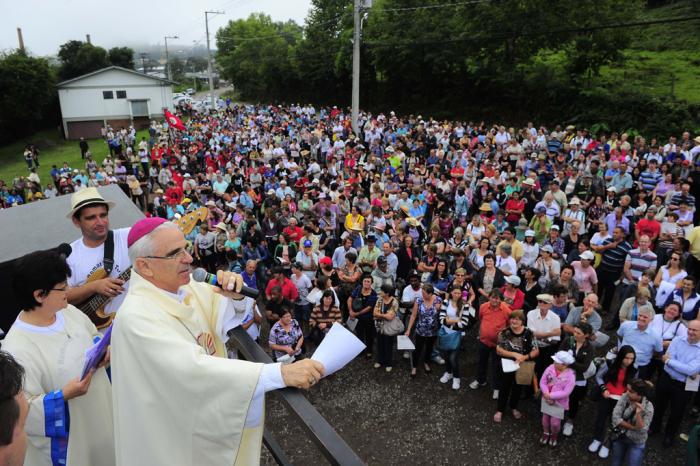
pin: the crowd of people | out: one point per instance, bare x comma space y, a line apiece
570, 258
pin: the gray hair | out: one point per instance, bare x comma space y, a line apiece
145, 246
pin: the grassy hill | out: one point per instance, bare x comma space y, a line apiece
54, 151
663, 59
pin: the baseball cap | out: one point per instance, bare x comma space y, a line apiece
588, 255
308, 243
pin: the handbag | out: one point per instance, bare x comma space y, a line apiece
393, 327
448, 341
525, 373
358, 304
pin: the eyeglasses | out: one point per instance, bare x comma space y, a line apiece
177, 255
63, 289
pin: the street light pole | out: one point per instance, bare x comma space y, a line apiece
211, 78
167, 59
356, 66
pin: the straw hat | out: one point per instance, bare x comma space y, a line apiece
87, 197
485, 207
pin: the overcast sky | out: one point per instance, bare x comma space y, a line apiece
46, 24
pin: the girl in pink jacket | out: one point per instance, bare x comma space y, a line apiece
557, 383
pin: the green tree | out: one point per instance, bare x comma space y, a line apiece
177, 69
256, 55
323, 59
122, 56
27, 95
78, 58
196, 64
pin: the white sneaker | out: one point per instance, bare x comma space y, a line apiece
438, 360
594, 446
456, 384
495, 395
446, 377
568, 429
604, 452
406, 355
474, 385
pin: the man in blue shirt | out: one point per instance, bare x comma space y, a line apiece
644, 340
681, 362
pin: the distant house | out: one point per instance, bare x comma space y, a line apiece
112, 96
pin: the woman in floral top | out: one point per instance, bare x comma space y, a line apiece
286, 336
425, 316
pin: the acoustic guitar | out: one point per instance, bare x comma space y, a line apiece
94, 306
190, 220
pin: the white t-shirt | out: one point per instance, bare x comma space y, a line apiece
84, 261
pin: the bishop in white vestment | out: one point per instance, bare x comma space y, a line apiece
177, 399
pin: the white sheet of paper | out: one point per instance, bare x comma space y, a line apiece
338, 348
404, 343
509, 365
553, 410
691, 385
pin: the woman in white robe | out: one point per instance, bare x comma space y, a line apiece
70, 421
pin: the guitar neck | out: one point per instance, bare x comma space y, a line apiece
96, 302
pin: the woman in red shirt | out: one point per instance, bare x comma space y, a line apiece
612, 378
514, 208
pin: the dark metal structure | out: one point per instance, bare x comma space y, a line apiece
333, 447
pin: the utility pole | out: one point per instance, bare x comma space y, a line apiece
209, 71
167, 59
357, 19
20, 39
143, 61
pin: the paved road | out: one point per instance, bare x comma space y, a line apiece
217, 92
391, 419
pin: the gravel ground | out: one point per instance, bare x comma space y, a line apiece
391, 419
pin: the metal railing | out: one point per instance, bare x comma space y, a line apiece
327, 440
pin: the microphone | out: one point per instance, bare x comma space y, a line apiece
201, 275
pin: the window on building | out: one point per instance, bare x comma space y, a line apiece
107, 95
121, 94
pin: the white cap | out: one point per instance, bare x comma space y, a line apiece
588, 255
513, 280
564, 357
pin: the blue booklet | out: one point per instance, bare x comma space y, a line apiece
96, 353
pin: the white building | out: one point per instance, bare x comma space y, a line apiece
111, 96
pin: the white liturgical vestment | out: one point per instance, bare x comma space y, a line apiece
177, 399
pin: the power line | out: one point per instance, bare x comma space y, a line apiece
509, 34
427, 7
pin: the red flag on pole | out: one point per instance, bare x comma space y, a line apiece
174, 121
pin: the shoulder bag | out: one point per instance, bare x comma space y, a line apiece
393, 327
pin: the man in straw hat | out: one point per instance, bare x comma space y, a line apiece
90, 258
177, 398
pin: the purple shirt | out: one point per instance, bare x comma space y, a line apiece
612, 222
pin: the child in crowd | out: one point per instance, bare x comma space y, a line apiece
557, 383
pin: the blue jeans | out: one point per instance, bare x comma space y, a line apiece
624, 449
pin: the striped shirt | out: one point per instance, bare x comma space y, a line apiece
650, 180
614, 259
448, 310
680, 197
640, 262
